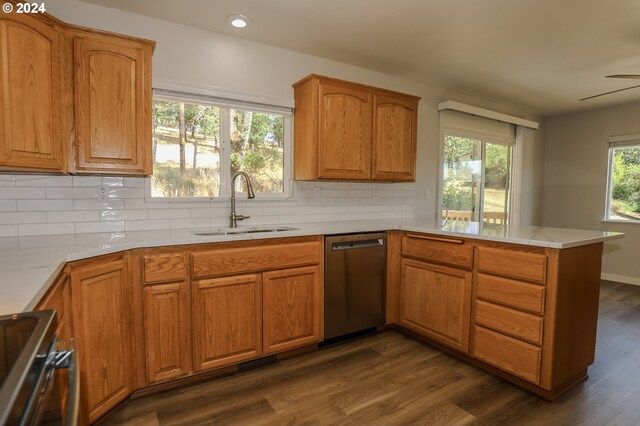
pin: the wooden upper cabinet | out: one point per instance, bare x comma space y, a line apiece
394, 137
349, 131
344, 132
30, 92
112, 104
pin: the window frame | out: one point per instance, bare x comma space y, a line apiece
624, 141
226, 100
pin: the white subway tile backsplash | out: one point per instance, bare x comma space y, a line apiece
113, 181
141, 203
7, 180
46, 229
91, 227
126, 192
169, 213
65, 193
44, 205
23, 217
95, 204
8, 205
43, 180
73, 216
32, 205
123, 215
87, 181
201, 222
131, 182
13, 193
210, 212
147, 225
8, 230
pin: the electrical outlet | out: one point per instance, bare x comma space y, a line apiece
317, 192
427, 193
374, 192
103, 193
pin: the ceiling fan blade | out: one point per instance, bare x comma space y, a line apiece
633, 76
608, 93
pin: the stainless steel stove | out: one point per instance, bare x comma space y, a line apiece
29, 355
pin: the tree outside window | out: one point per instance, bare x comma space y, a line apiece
195, 153
624, 183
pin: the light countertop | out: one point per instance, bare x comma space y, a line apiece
29, 265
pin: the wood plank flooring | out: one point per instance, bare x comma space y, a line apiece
390, 379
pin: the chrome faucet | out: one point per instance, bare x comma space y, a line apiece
233, 217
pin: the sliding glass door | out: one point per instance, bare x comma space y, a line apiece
476, 178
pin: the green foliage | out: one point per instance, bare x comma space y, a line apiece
497, 166
457, 196
626, 180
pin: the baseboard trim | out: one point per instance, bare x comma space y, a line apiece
620, 278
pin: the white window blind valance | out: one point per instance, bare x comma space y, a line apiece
624, 140
474, 127
208, 95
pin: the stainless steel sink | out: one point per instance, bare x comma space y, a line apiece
245, 230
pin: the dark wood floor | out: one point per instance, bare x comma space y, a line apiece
391, 379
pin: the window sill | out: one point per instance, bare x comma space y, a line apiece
634, 222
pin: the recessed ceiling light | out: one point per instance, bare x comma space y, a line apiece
238, 21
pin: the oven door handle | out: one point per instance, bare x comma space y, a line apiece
67, 357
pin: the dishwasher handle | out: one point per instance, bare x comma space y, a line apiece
349, 245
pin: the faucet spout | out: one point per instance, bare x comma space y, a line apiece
233, 216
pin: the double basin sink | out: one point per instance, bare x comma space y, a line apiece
244, 230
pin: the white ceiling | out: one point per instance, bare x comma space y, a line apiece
543, 54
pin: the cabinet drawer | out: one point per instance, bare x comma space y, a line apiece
438, 249
511, 263
253, 259
529, 297
164, 267
508, 354
509, 321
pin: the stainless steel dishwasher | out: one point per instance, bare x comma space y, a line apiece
355, 281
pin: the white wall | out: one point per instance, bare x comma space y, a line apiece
575, 181
186, 54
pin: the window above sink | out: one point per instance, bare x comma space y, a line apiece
200, 140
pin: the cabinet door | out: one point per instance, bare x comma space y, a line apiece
101, 297
166, 331
112, 105
293, 305
227, 321
394, 138
344, 132
435, 301
30, 92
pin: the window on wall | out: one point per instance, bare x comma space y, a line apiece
476, 170
198, 144
623, 188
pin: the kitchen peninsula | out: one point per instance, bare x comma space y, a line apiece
505, 301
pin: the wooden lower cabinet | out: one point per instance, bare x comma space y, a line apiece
227, 321
101, 297
166, 309
435, 301
293, 307
512, 355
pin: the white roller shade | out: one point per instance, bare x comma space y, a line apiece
624, 140
471, 126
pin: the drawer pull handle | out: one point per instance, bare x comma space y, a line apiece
439, 239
